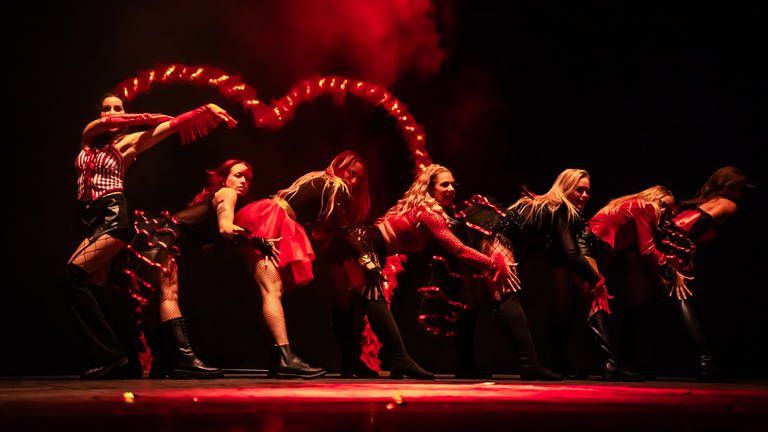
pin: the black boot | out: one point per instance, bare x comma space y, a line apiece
102, 344
384, 326
613, 370
182, 361
464, 345
285, 363
158, 348
511, 317
348, 328
708, 369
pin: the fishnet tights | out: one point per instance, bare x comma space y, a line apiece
267, 276
95, 257
169, 295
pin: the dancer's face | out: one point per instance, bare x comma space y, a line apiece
667, 205
580, 195
237, 179
442, 190
111, 105
353, 174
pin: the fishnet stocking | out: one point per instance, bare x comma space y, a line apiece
267, 276
169, 295
95, 257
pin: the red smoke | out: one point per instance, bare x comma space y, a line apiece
376, 41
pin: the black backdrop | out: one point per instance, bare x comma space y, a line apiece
636, 94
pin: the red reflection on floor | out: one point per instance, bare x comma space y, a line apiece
363, 405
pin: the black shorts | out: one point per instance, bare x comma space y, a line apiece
108, 214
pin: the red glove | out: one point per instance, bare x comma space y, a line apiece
125, 120
197, 123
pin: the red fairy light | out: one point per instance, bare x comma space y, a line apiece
276, 114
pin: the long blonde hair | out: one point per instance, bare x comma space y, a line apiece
652, 195
360, 202
565, 183
419, 195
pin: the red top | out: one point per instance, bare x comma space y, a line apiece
412, 232
630, 224
100, 171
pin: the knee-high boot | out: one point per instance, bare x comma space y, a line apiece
708, 369
106, 354
613, 370
181, 361
348, 328
514, 324
384, 326
464, 344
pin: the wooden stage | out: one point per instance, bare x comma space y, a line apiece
242, 402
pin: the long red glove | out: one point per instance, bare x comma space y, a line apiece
197, 123
125, 120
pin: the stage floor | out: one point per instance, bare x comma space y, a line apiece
254, 403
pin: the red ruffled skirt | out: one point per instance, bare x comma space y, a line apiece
266, 218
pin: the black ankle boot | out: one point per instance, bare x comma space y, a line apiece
384, 326
119, 369
182, 361
612, 369
287, 364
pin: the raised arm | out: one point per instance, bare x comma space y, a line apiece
104, 124
190, 125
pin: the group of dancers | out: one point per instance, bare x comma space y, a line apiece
480, 241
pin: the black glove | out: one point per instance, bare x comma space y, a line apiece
266, 247
371, 270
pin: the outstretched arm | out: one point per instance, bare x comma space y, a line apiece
103, 124
191, 125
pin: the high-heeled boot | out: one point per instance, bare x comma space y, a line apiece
284, 363
708, 369
106, 354
182, 361
384, 326
348, 328
464, 345
511, 317
613, 370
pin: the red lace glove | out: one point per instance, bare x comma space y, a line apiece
197, 123
599, 296
501, 278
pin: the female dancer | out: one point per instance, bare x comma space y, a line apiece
416, 221
630, 222
316, 206
107, 150
160, 239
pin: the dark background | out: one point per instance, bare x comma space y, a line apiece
508, 93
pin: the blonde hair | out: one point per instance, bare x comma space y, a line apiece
419, 195
652, 195
565, 183
360, 202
